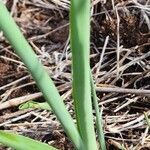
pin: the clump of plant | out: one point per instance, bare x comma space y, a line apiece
82, 134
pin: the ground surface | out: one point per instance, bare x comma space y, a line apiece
123, 26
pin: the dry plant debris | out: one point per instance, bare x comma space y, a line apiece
120, 62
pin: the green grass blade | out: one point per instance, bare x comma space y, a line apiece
46, 85
80, 45
99, 125
19, 142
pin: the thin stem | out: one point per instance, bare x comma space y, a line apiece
80, 45
99, 123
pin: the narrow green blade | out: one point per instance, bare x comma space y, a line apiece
19, 142
80, 45
44, 82
99, 125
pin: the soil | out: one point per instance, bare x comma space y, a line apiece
47, 30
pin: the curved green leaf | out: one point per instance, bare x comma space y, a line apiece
20, 142
44, 82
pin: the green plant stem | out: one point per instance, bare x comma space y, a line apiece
80, 45
46, 85
99, 124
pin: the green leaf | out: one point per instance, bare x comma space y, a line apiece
39, 74
80, 46
99, 123
20, 142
